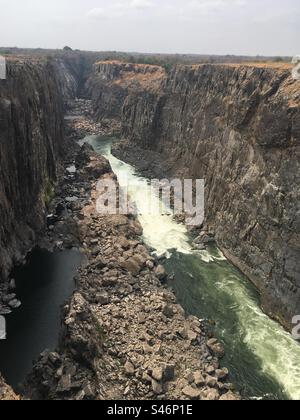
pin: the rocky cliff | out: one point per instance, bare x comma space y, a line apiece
238, 127
111, 82
31, 141
73, 69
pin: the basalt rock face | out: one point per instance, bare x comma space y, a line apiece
31, 142
68, 76
112, 82
238, 127
73, 69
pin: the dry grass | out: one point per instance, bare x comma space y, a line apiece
269, 65
128, 65
149, 81
133, 76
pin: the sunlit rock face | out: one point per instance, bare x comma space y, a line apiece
111, 82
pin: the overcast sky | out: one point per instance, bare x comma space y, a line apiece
266, 27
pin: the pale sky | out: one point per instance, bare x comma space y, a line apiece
250, 27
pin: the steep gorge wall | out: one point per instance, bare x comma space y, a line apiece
31, 143
33, 101
238, 127
111, 82
73, 70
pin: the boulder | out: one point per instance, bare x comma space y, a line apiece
204, 238
140, 260
168, 311
9, 298
147, 349
211, 381
100, 263
150, 265
124, 243
109, 281
210, 370
222, 373
64, 384
129, 368
157, 374
12, 284
198, 378
131, 266
156, 387
230, 396
210, 395
191, 393
192, 336
146, 378
14, 304
160, 272
216, 348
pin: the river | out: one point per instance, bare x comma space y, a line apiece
43, 285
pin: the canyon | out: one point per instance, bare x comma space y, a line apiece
236, 126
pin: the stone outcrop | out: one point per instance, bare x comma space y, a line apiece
238, 127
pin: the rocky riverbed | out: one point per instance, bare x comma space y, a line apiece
124, 336
80, 122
